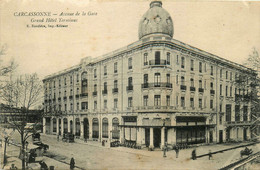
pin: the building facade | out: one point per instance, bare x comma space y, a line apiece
153, 91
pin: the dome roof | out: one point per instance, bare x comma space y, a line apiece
156, 21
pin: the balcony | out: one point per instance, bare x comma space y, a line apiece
212, 92
201, 90
157, 62
183, 87
104, 91
152, 108
70, 97
64, 98
115, 90
94, 93
84, 95
238, 123
192, 89
151, 85
128, 88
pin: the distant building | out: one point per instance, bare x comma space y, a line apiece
152, 91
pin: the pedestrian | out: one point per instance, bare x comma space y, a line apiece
58, 137
177, 151
43, 165
210, 154
72, 163
86, 139
193, 154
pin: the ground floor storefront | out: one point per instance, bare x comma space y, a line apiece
153, 130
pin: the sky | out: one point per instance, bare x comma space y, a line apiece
227, 29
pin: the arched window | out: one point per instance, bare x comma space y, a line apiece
95, 128
105, 128
65, 125
115, 128
77, 127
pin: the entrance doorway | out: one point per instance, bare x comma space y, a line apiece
59, 126
86, 128
245, 134
221, 136
147, 137
210, 136
157, 137
71, 127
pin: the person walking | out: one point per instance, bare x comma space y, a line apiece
193, 154
210, 154
177, 151
72, 163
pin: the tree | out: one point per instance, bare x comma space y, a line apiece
253, 62
20, 95
5, 68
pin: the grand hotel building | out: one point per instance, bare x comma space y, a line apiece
152, 91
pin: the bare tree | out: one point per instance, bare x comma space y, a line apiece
5, 68
20, 95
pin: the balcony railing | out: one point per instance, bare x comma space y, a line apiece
183, 87
192, 88
84, 95
150, 85
201, 90
128, 88
212, 92
235, 123
115, 90
104, 91
157, 62
94, 93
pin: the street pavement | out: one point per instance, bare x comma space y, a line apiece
92, 155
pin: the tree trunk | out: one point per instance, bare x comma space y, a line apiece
23, 151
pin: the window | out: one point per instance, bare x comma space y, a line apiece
115, 103
70, 79
231, 76
95, 105
211, 70
84, 105
177, 79
230, 91
157, 58
200, 83
192, 82
182, 101
95, 128
105, 86
105, 128
168, 78
115, 67
220, 108
157, 79
205, 67
220, 90
228, 112
77, 106
182, 62
168, 100
130, 63
211, 103
191, 65
95, 87
95, 73
200, 67
65, 107
71, 106
65, 93
105, 70
77, 77
220, 119
130, 101
191, 102
226, 74
105, 104
77, 90
145, 100
70, 92
115, 84
145, 59
54, 84
237, 112
65, 81
177, 59
157, 100
59, 82
146, 80
211, 85
226, 90
220, 73
182, 80
115, 128
168, 58
130, 81
200, 103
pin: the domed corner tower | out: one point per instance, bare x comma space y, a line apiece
156, 21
